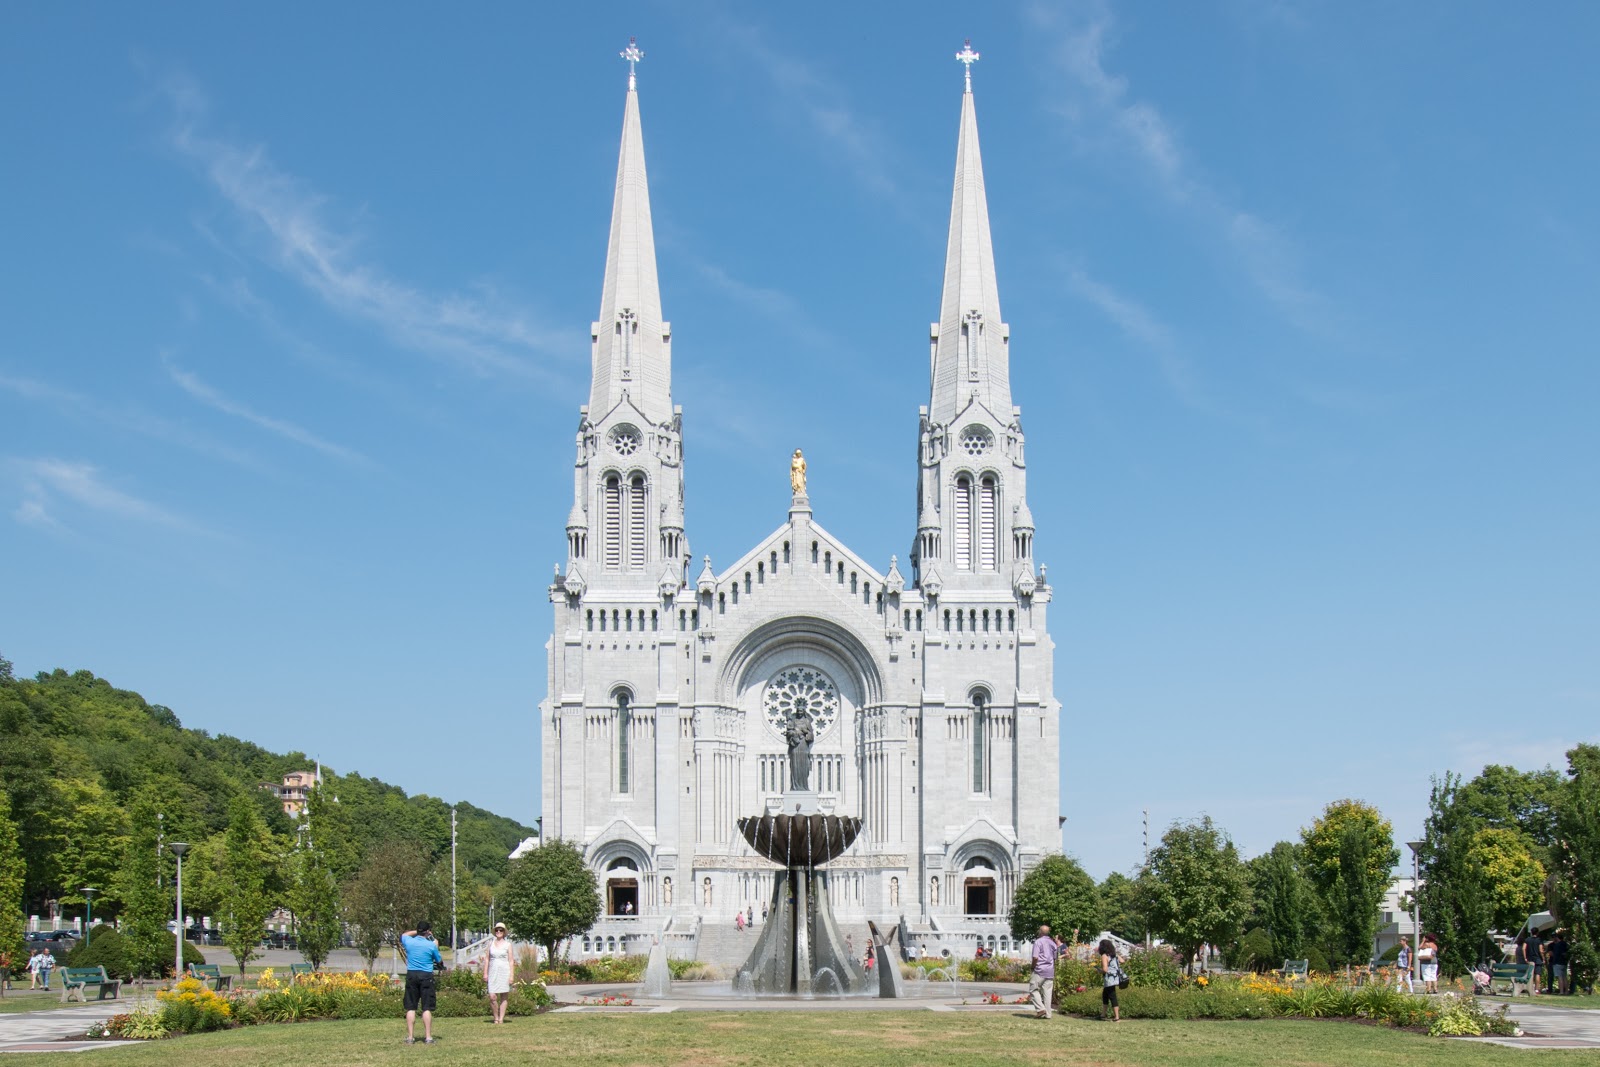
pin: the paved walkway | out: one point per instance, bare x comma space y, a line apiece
1545, 1026
51, 1030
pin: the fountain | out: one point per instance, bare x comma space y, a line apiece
657, 975
801, 951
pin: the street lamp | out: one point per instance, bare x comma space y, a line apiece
1416, 891
178, 849
88, 917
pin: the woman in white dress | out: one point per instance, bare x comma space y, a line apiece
497, 972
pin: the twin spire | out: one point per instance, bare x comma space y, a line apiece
631, 344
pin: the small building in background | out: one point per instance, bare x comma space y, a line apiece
292, 791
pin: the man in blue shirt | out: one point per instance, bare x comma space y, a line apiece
422, 956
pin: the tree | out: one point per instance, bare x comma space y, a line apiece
13, 876
1059, 892
1196, 890
1577, 860
146, 904
548, 895
1119, 906
1285, 903
244, 898
1349, 859
87, 834
313, 889
392, 893
1504, 798
1451, 900
1512, 880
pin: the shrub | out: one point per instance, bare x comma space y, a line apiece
190, 1007
528, 998
369, 1004
1157, 967
1316, 961
1072, 972
106, 948
1253, 952
464, 980
995, 969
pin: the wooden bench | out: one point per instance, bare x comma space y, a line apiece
209, 971
297, 970
75, 982
1517, 976
1299, 967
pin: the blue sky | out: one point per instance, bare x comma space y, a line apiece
1303, 301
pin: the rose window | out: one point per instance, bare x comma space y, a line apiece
801, 691
975, 440
625, 440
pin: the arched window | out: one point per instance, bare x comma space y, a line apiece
636, 523
962, 521
988, 523
980, 731
611, 522
624, 738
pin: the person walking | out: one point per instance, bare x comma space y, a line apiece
33, 969
1533, 949
750, 915
497, 972
1559, 955
1402, 968
1428, 956
422, 958
47, 963
738, 921
1042, 980
1110, 979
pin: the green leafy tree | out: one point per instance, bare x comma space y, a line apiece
244, 897
87, 834
314, 888
1120, 908
146, 904
1058, 892
1504, 798
1349, 857
1512, 879
392, 893
1196, 890
1451, 901
548, 895
1285, 902
1577, 860
13, 875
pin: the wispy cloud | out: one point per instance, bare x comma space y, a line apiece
133, 419
47, 481
1140, 325
480, 331
1106, 103
212, 398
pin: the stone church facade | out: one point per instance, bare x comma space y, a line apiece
928, 680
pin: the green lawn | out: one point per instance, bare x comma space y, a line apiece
818, 1039
25, 1000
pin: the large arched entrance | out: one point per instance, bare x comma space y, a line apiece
979, 887
622, 889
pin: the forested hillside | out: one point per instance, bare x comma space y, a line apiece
84, 764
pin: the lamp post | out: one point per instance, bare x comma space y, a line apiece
88, 916
178, 849
1416, 891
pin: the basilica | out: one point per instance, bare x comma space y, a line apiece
926, 681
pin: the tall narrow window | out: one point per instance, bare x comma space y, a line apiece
980, 755
988, 524
624, 730
636, 523
611, 521
963, 523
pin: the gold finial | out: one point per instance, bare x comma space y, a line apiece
797, 474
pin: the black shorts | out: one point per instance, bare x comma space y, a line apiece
1108, 996
419, 991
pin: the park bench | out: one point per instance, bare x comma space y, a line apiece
75, 982
296, 970
1299, 967
209, 971
1517, 976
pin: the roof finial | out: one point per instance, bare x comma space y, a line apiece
632, 54
967, 57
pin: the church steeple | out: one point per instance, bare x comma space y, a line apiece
970, 339
974, 532
631, 344
625, 530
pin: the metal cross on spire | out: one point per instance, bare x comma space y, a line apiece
967, 57
632, 54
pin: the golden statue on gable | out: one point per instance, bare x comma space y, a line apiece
797, 474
